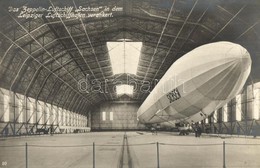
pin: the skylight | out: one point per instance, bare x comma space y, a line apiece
124, 89
124, 56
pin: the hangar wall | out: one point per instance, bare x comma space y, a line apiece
116, 115
239, 116
24, 115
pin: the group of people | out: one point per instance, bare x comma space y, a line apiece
154, 131
197, 131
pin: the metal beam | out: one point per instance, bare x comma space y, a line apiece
35, 41
228, 23
38, 61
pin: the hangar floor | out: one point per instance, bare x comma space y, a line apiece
136, 149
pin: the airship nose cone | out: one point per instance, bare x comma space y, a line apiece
234, 76
224, 80
245, 61
240, 57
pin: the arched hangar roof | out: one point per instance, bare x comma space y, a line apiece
45, 58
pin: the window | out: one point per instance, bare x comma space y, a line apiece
124, 89
238, 107
104, 116
111, 116
206, 120
224, 113
124, 56
40, 111
20, 110
215, 116
6, 108
256, 105
48, 114
31, 111
63, 116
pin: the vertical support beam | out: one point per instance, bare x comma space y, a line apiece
14, 121
231, 116
220, 119
246, 101
203, 125
26, 114
36, 114
94, 157
224, 154
158, 155
26, 155
213, 122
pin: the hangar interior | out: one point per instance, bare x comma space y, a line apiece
59, 73
77, 66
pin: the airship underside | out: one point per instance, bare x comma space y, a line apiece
198, 83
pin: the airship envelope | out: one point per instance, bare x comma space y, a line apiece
198, 83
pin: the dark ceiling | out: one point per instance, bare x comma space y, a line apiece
45, 58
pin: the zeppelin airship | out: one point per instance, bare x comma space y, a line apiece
198, 83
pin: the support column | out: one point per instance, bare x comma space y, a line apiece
26, 115
220, 118
211, 122
36, 114
231, 115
